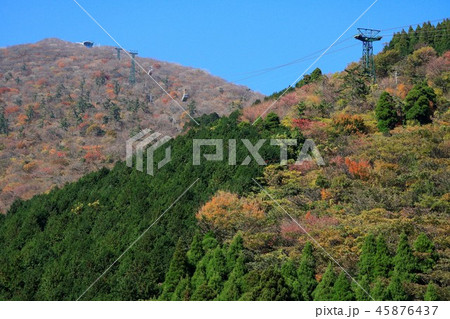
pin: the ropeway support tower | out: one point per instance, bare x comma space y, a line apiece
368, 37
132, 78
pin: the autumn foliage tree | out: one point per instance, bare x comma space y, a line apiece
349, 124
227, 213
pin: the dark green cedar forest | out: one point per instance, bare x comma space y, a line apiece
55, 245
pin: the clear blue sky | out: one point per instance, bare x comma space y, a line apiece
227, 38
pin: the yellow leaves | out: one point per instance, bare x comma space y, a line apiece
381, 166
325, 194
79, 207
313, 99
446, 197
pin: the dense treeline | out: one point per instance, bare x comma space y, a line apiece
437, 36
55, 245
209, 270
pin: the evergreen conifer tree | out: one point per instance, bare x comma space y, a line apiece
325, 289
234, 286
383, 260
289, 273
306, 273
404, 261
183, 290
362, 289
386, 113
234, 251
367, 258
379, 291
195, 252
419, 103
426, 251
216, 270
342, 288
431, 294
177, 270
271, 287
396, 289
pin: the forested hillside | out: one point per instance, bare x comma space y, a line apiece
66, 110
379, 206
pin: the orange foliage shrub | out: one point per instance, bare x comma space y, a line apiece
29, 167
111, 93
173, 94
325, 194
359, 169
22, 119
349, 124
227, 212
99, 116
402, 90
11, 109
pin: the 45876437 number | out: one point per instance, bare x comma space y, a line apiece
407, 310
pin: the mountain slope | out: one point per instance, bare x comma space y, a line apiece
66, 110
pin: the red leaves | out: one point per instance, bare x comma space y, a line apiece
93, 153
4, 89
359, 169
311, 223
302, 124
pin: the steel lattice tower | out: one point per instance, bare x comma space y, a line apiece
118, 53
368, 37
132, 78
